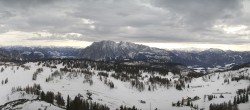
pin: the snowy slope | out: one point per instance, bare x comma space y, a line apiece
123, 93
30, 105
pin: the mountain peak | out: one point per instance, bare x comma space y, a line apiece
111, 50
104, 42
214, 50
191, 49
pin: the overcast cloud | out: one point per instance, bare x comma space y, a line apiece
144, 21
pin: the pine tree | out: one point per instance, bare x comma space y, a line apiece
178, 104
121, 107
243, 98
210, 107
229, 105
247, 97
49, 97
182, 102
42, 96
6, 80
68, 101
235, 101
188, 103
238, 100
149, 88
178, 87
59, 99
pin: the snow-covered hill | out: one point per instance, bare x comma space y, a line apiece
144, 89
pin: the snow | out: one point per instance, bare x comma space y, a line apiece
26, 53
245, 106
123, 93
36, 105
215, 50
191, 49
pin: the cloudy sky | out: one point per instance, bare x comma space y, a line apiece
166, 24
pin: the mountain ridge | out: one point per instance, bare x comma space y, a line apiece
128, 52
112, 51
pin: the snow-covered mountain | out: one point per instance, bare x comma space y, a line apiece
129, 52
110, 50
211, 57
36, 53
9, 54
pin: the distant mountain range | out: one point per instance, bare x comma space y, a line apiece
128, 52
34, 53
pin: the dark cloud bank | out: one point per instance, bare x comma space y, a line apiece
127, 20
